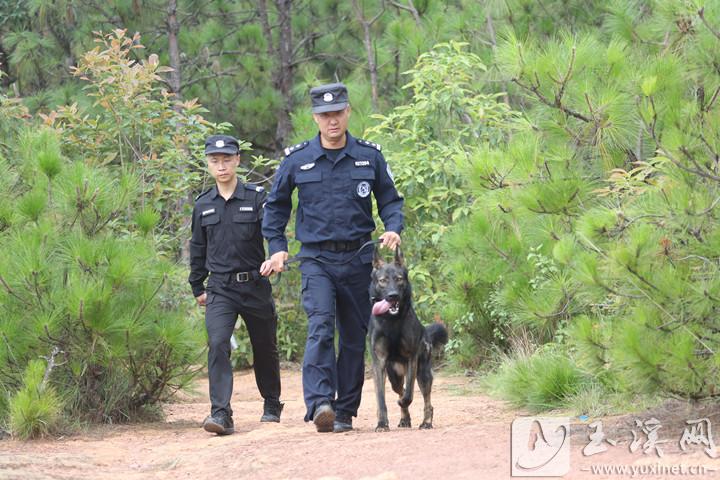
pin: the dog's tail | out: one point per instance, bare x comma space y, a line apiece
437, 333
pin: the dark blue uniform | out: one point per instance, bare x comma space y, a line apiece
227, 244
333, 219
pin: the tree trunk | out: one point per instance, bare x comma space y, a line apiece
369, 50
284, 75
267, 31
173, 27
282, 52
5, 75
175, 83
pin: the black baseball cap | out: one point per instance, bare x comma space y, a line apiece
221, 144
329, 98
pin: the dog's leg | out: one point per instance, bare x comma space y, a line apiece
404, 418
407, 396
425, 380
379, 365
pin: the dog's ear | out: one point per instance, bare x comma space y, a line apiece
377, 260
399, 259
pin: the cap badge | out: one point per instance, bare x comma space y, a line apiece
328, 97
220, 144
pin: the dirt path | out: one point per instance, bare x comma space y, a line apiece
471, 440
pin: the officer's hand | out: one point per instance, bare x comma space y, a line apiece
390, 240
275, 264
201, 299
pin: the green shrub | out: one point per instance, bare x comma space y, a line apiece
35, 408
542, 381
77, 277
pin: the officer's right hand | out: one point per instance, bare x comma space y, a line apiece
201, 299
276, 263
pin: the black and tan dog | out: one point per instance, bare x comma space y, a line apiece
400, 346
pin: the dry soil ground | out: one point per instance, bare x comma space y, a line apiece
471, 439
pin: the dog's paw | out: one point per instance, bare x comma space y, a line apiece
404, 402
425, 426
382, 428
404, 423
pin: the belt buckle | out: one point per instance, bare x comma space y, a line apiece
242, 277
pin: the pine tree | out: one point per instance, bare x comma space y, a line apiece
82, 281
595, 227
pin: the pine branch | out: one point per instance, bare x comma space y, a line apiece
230, 72
535, 89
710, 104
50, 365
566, 78
409, 8
699, 170
145, 304
701, 14
666, 153
12, 292
615, 292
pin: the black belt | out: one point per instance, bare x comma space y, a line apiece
238, 277
340, 246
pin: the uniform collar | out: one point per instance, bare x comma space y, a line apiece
318, 151
239, 192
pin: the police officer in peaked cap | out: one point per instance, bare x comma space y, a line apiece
336, 176
227, 245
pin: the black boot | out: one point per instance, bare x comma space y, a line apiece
220, 423
324, 418
343, 423
271, 411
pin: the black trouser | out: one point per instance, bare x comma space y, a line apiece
254, 303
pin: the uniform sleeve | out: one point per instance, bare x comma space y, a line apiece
198, 252
260, 200
277, 210
389, 201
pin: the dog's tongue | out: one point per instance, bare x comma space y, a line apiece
380, 307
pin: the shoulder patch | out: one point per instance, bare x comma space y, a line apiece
297, 147
369, 144
254, 188
203, 193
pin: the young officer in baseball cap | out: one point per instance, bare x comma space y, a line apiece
227, 245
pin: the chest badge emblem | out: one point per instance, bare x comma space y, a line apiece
307, 166
363, 189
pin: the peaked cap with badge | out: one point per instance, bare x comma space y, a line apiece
331, 97
221, 144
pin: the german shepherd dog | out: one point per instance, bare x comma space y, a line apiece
399, 345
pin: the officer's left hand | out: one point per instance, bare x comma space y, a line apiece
275, 264
390, 240
201, 299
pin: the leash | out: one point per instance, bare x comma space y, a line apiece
300, 258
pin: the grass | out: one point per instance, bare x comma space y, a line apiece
548, 380
35, 408
539, 382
